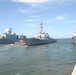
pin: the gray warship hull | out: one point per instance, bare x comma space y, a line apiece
35, 41
8, 41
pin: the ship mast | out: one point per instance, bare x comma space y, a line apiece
41, 28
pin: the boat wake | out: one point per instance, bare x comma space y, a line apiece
17, 74
6, 47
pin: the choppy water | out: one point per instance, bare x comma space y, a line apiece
51, 59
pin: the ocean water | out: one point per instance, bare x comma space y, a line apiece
51, 59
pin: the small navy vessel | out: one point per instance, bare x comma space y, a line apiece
74, 38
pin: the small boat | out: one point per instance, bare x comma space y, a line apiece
40, 38
21, 42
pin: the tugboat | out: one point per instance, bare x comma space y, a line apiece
9, 38
40, 38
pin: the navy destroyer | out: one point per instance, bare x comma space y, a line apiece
74, 38
9, 38
40, 38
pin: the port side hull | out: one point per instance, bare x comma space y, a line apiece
34, 41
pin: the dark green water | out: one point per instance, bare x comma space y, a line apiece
51, 59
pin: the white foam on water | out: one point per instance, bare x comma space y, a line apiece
17, 74
6, 47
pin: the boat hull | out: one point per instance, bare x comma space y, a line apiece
34, 41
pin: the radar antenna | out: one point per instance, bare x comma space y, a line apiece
41, 28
